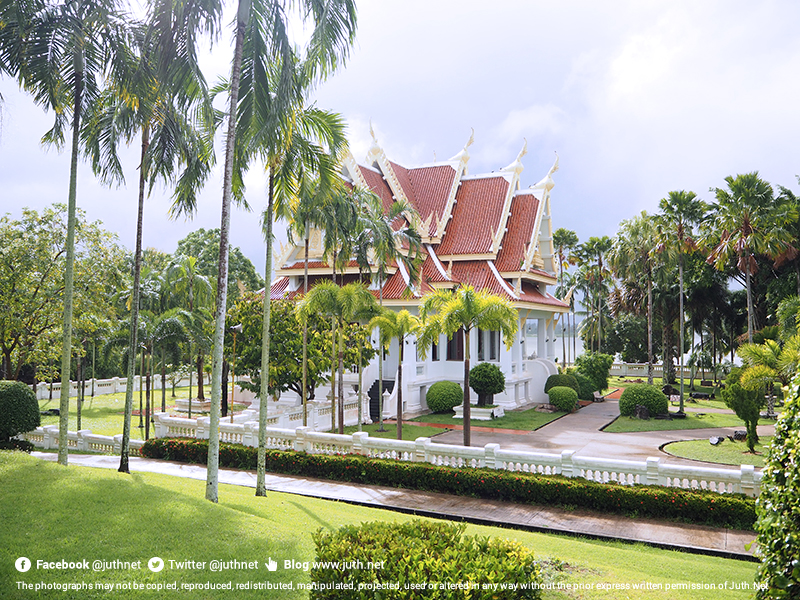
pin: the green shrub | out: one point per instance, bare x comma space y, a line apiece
596, 366
23, 445
390, 556
646, 395
710, 508
563, 398
747, 405
19, 410
443, 396
562, 380
586, 391
487, 380
778, 506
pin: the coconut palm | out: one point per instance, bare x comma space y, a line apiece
680, 212
398, 325
347, 304
591, 256
633, 258
265, 24
59, 52
748, 221
449, 312
768, 363
564, 240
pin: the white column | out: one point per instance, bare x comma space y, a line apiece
551, 339
541, 336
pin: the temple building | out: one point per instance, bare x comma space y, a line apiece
483, 230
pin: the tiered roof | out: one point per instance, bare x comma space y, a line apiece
480, 230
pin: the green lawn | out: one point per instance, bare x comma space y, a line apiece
692, 421
525, 420
411, 431
104, 414
727, 453
78, 513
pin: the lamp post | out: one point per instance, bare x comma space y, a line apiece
235, 329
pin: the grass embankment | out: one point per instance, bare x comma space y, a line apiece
94, 514
727, 453
525, 420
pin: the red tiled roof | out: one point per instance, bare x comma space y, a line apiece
520, 229
278, 288
378, 185
430, 272
405, 182
315, 264
476, 216
432, 187
531, 294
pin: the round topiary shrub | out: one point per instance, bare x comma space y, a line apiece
443, 396
487, 380
19, 410
563, 398
562, 380
646, 395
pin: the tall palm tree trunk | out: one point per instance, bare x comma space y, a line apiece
380, 358
650, 328
69, 270
163, 381
341, 379
137, 270
680, 323
749, 304
261, 462
212, 472
304, 399
467, 406
399, 387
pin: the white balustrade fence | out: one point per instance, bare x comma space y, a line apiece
653, 471
83, 441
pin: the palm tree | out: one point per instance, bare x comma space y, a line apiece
749, 220
564, 240
265, 21
592, 254
451, 311
767, 363
153, 103
347, 304
396, 325
680, 211
632, 258
59, 52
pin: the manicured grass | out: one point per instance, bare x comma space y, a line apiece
692, 421
525, 420
104, 414
727, 453
77, 513
411, 431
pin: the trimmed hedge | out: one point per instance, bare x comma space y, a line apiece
563, 398
19, 410
486, 379
646, 395
389, 556
562, 380
443, 396
586, 391
710, 508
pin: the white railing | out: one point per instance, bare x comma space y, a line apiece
115, 385
745, 479
82, 441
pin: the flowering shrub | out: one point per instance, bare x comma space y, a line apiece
725, 510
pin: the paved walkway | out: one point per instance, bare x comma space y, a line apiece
694, 538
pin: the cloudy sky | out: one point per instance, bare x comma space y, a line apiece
638, 98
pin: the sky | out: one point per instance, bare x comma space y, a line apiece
638, 98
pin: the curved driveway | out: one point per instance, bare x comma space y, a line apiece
580, 431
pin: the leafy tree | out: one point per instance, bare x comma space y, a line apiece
59, 52
745, 403
749, 220
596, 366
398, 325
680, 211
768, 363
449, 312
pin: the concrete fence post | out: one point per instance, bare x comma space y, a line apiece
567, 466
490, 456
653, 465
300, 440
359, 441
747, 480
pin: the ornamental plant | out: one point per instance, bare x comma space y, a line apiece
596, 366
443, 396
487, 380
562, 380
19, 410
646, 395
421, 552
778, 506
563, 398
586, 391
